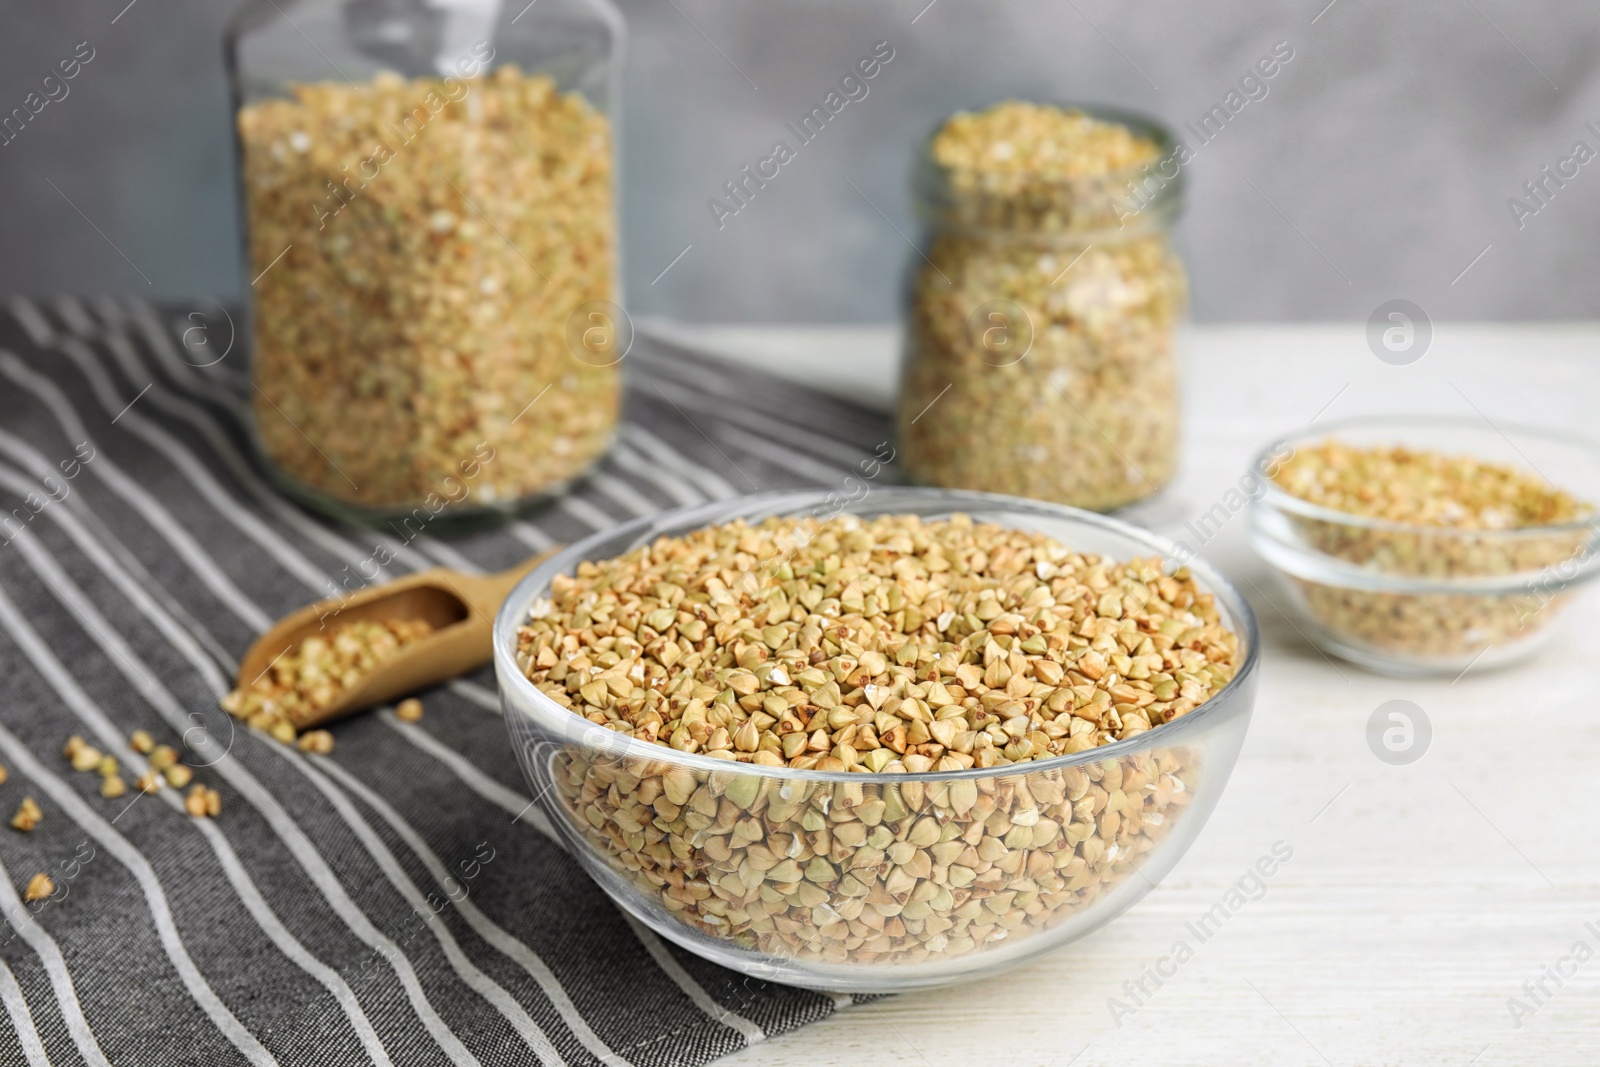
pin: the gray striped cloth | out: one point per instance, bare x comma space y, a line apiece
393, 903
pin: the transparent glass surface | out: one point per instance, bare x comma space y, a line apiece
875, 882
429, 231
1421, 600
1040, 322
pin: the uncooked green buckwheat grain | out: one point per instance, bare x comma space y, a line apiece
885, 645
1032, 252
27, 816
1422, 488
416, 268
934, 645
310, 676
1439, 516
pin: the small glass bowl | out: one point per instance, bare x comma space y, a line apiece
1416, 600
875, 882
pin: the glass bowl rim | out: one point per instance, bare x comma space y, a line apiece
1280, 499
788, 501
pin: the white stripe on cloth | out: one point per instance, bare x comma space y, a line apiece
477, 694
223, 450
188, 377
721, 387
445, 555
100, 540
55, 968
268, 920
21, 1018
709, 481
440, 554
585, 512
147, 321
520, 806
485, 927
81, 813
814, 443
825, 473
630, 498
209, 426
74, 315
530, 1032
532, 536
135, 494
729, 1018
221, 501
99, 552
108, 310
300, 846
111, 740
34, 324
679, 490
486, 787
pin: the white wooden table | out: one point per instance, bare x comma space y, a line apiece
1419, 898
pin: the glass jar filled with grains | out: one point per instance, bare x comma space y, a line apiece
1040, 337
430, 246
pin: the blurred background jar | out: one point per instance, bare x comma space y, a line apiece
430, 229
1039, 356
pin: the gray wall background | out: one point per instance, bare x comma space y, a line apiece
1378, 167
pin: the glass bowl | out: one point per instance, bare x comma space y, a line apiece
875, 882
1420, 600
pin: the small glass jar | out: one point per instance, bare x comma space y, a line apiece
1040, 332
431, 246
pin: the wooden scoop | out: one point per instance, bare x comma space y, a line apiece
460, 607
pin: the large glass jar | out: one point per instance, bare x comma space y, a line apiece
431, 242
1040, 336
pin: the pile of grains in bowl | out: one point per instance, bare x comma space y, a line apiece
1422, 488
1040, 348
1439, 517
892, 644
